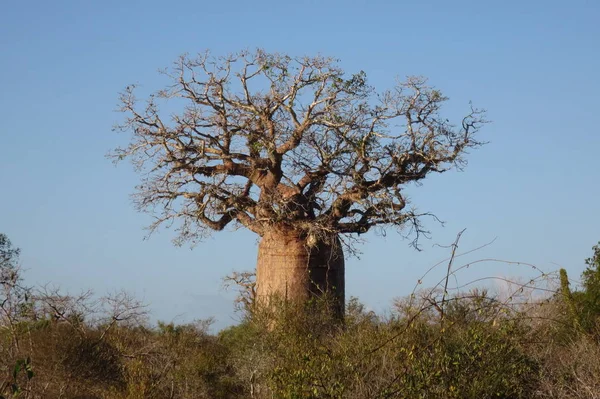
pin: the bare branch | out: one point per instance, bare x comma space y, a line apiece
266, 138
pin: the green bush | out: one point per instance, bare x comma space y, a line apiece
468, 345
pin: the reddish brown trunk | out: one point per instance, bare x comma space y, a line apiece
296, 267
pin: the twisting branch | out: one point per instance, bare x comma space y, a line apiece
265, 138
452, 255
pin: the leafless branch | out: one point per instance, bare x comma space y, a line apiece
265, 139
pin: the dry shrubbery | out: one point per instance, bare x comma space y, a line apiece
436, 343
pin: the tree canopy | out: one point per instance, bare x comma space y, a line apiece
9, 255
263, 139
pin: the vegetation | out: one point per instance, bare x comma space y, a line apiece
293, 149
437, 343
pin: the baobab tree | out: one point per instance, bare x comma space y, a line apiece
291, 148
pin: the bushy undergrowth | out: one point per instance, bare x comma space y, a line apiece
302, 354
434, 345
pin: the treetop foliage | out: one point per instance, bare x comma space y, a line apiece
9, 255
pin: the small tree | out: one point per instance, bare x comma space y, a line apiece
15, 298
591, 276
291, 148
590, 296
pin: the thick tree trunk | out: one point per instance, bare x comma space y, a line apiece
296, 267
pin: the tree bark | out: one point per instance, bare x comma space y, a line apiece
294, 266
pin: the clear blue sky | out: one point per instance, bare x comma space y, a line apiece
532, 64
